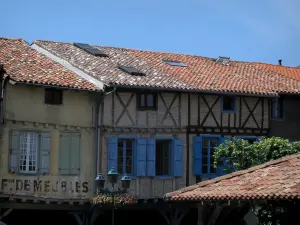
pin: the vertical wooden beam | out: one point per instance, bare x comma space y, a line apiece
113, 109
199, 110
240, 112
187, 140
200, 213
262, 113
179, 109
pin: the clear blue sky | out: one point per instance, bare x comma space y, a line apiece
245, 30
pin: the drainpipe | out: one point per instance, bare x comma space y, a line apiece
98, 130
3, 82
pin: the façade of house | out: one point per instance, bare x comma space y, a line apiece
47, 128
162, 114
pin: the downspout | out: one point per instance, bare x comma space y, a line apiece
98, 130
3, 82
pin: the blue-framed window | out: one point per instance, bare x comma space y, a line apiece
250, 139
228, 104
276, 109
204, 148
125, 156
153, 157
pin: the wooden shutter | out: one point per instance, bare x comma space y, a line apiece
44, 153
14, 151
197, 157
141, 153
178, 153
64, 161
75, 153
151, 154
112, 153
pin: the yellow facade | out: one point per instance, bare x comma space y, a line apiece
25, 110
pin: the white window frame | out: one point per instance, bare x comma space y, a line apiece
29, 149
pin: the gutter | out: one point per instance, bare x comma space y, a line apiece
275, 95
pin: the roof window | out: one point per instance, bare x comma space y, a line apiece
223, 60
91, 50
175, 63
132, 70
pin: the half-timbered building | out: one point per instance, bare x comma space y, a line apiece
47, 133
163, 114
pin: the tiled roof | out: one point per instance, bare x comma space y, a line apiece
278, 179
25, 64
201, 73
292, 72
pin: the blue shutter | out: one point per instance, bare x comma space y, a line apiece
141, 154
197, 162
44, 157
112, 153
178, 152
221, 168
151, 157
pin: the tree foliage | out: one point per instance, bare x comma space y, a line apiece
239, 154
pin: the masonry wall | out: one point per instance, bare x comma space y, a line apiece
25, 110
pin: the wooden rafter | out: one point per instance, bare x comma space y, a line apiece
125, 108
251, 111
168, 108
210, 108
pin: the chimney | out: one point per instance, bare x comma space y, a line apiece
280, 62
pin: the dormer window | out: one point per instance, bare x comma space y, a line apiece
223, 60
132, 70
175, 63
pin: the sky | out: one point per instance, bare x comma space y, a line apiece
244, 30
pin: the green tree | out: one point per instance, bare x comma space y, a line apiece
239, 154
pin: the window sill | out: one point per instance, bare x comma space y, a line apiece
228, 111
147, 109
277, 119
163, 178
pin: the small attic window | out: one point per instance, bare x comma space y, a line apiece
132, 70
223, 60
175, 63
91, 50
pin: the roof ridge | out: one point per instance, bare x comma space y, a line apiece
15, 39
281, 66
234, 174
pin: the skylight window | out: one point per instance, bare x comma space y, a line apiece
132, 70
91, 50
223, 60
175, 63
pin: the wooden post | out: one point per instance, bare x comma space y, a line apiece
200, 214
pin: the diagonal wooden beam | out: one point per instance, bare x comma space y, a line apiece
168, 108
251, 111
210, 108
125, 108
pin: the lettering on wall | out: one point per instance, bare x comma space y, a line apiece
43, 186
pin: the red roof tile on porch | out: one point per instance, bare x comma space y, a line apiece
278, 179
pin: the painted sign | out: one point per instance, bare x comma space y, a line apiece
43, 186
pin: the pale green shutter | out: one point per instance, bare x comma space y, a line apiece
44, 154
75, 154
14, 152
64, 161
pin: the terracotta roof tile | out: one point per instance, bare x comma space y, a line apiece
201, 73
278, 179
292, 72
25, 64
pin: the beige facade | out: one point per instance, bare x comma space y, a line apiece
25, 111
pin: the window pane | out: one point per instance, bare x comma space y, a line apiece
28, 151
162, 157
120, 156
205, 142
204, 169
142, 100
228, 103
213, 142
204, 160
150, 100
